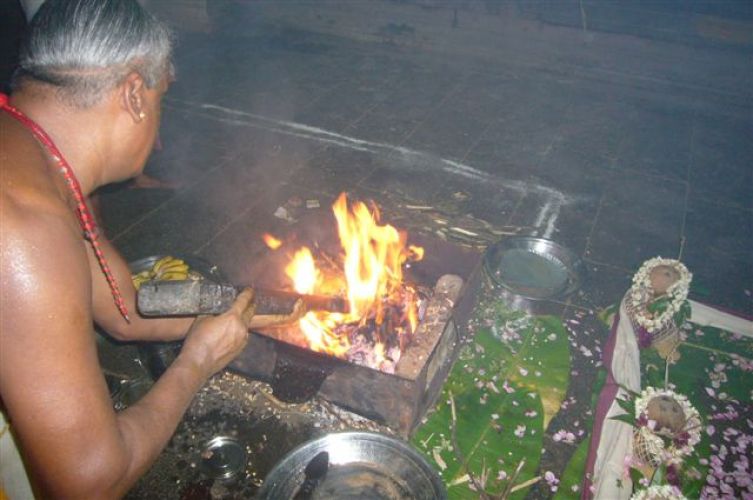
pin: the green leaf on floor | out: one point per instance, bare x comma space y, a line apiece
573, 475
546, 364
720, 341
504, 392
708, 372
606, 315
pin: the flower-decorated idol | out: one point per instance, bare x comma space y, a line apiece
657, 303
667, 427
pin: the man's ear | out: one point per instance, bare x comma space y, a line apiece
132, 96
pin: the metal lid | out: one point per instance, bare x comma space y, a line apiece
223, 458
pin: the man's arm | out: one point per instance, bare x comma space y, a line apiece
108, 316
50, 381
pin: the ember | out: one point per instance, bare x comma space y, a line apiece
384, 310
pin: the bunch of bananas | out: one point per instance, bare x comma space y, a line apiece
167, 268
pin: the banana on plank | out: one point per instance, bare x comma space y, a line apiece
161, 262
179, 269
167, 268
174, 276
173, 267
141, 278
167, 262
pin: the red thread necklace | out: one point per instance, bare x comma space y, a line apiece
88, 224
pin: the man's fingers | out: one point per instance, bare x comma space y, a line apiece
248, 314
244, 305
242, 301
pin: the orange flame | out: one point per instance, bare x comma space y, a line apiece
303, 271
371, 277
271, 241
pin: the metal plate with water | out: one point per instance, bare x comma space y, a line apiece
532, 269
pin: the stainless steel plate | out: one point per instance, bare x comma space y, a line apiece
363, 465
533, 268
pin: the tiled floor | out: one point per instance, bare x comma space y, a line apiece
619, 160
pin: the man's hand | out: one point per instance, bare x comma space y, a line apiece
214, 341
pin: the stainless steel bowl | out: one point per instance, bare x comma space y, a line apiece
526, 269
223, 458
362, 465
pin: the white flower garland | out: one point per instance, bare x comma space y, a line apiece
659, 492
657, 446
642, 293
651, 447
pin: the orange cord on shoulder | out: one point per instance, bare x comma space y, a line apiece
85, 218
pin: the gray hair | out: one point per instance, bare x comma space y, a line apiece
86, 48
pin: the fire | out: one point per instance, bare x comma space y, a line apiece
302, 270
271, 241
370, 276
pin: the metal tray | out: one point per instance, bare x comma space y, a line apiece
361, 465
526, 269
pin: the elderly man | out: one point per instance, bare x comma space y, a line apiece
85, 112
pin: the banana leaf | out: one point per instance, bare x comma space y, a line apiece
569, 487
503, 395
701, 354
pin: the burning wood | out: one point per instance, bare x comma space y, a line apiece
384, 310
379, 344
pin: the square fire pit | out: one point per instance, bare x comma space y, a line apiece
400, 399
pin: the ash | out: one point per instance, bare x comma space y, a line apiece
362, 352
379, 344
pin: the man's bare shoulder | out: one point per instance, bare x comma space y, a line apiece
42, 253
33, 237
24, 171
31, 199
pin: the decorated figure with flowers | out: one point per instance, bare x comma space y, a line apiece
667, 429
657, 304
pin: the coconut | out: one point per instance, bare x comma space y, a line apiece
667, 413
662, 277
